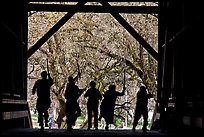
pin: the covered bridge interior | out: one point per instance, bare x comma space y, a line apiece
180, 28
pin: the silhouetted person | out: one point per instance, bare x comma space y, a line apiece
73, 110
108, 105
94, 96
141, 108
42, 86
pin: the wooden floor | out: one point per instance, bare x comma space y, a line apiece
27, 132
78, 132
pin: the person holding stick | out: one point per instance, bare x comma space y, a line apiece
42, 87
108, 104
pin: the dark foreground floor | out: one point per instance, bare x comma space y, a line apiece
78, 132
28, 132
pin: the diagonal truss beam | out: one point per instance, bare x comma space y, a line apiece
55, 28
132, 31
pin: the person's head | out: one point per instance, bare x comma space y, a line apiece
92, 84
44, 74
71, 79
142, 89
112, 87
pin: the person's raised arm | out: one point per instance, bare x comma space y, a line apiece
50, 78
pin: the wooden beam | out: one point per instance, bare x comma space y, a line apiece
14, 101
133, 32
15, 114
55, 28
93, 8
93, 0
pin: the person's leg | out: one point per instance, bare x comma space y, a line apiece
70, 121
136, 119
107, 122
96, 118
89, 117
145, 123
107, 127
40, 115
102, 109
40, 118
69, 116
